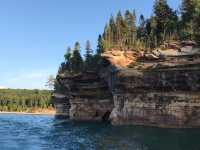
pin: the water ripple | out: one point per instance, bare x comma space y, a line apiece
32, 132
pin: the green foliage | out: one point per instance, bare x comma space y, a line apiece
74, 63
166, 21
121, 31
187, 13
100, 46
187, 10
88, 56
190, 23
68, 54
76, 59
130, 20
24, 100
196, 21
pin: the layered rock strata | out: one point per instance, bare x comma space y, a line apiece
90, 98
162, 94
61, 104
159, 89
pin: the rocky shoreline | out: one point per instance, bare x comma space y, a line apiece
160, 89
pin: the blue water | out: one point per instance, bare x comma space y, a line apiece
32, 132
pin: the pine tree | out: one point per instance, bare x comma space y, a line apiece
76, 60
121, 28
151, 33
187, 12
107, 36
196, 21
77, 47
141, 29
130, 20
113, 30
134, 28
165, 18
88, 55
141, 33
88, 49
67, 57
100, 47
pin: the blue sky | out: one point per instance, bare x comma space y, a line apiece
34, 34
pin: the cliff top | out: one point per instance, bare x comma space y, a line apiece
170, 54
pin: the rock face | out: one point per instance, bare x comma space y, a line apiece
62, 105
120, 58
90, 98
162, 94
159, 89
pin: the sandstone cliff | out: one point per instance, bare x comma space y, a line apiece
159, 88
89, 96
61, 104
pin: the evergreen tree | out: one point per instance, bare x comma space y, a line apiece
77, 47
121, 29
196, 21
164, 17
100, 47
150, 33
107, 36
141, 32
76, 60
187, 12
113, 31
153, 35
88, 55
133, 27
67, 57
130, 20
62, 68
141, 28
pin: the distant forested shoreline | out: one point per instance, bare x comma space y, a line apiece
23, 100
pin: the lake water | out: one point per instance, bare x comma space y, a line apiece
32, 132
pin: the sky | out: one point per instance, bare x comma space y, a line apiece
34, 34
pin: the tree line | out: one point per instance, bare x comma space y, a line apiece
75, 63
164, 25
21, 100
124, 32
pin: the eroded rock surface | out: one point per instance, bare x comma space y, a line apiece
90, 98
120, 58
161, 88
164, 93
62, 104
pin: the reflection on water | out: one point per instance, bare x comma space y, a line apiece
32, 132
